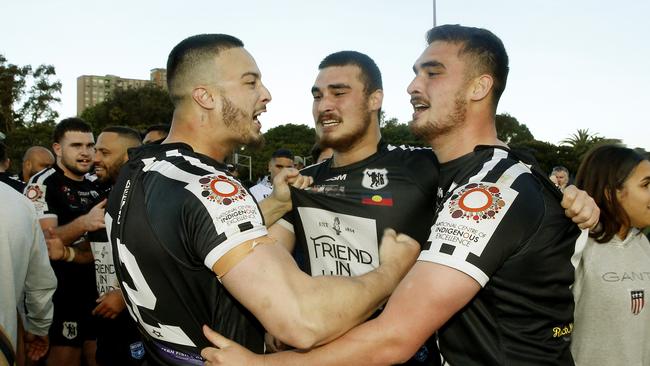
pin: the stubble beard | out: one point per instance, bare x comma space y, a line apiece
73, 168
237, 120
429, 131
348, 141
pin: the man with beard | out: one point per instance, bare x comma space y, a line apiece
494, 278
365, 188
118, 340
189, 241
69, 207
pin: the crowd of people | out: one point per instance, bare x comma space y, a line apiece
464, 253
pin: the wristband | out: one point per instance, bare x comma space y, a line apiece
70, 258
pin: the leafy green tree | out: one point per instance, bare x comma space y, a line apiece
510, 131
137, 108
22, 107
396, 133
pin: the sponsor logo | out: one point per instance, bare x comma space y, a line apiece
375, 178
137, 350
221, 189
383, 199
638, 301
331, 190
34, 192
562, 331
476, 201
70, 330
338, 177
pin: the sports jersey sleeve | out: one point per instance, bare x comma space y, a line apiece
221, 216
481, 225
42, 196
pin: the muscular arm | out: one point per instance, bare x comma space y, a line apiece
304, 311
283, 236
93, 220
427, 298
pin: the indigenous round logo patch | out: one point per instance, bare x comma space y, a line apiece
221, 189
34, 193
476, 201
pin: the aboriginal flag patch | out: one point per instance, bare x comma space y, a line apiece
377, 199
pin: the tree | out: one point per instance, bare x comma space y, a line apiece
510, 131
23, 108
396, 133
137, 108
297, 138
582, 141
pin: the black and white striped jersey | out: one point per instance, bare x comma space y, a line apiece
171, 215
503, 225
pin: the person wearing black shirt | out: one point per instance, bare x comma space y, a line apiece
69, 206
494, 276
189, 241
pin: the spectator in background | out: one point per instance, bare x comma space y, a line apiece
26, 277
36, 158
5, 176
155, 133
280, 159
560, 176
612, 325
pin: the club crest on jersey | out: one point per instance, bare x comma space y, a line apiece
375, 178
34, 192
638, 301
221, 189
70, 330
476, 201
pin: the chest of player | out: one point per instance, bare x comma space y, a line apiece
340, 221
71, 200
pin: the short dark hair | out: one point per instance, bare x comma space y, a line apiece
560, 168
125, 132
602, 172
370, 74
161, 127
189, 54
4, 153
487, 52
69, 124
282, 153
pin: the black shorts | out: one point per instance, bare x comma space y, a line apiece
74, 301
119, 341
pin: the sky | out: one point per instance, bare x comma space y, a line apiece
580, 64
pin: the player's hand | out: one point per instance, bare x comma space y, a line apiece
55, 248
36, 346
397, 254
111, 304
227, 352
94, 219
285, 178
580, 207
